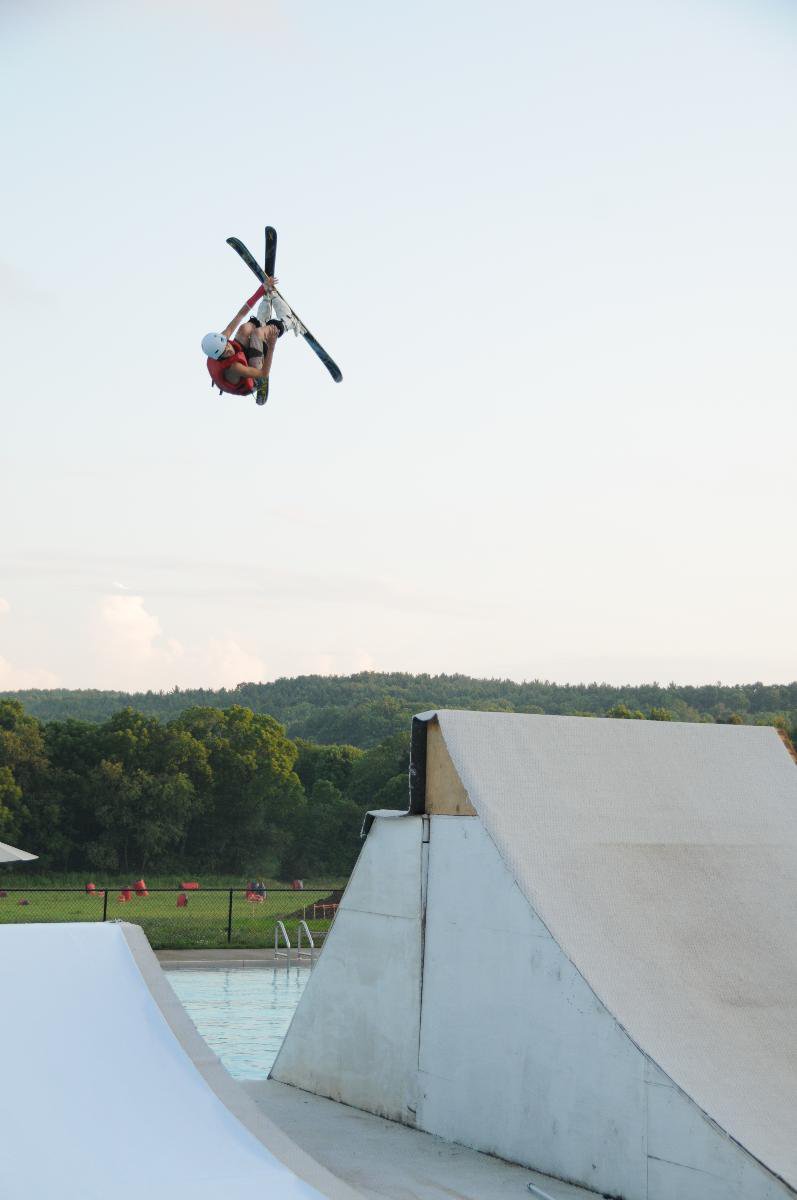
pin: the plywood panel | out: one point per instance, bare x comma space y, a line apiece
445, 795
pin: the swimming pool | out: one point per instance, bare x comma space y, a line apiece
243, 1015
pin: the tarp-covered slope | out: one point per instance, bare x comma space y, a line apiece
105, 1086
663, 859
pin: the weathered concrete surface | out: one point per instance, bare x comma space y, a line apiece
662, 857
383, 1160
356, 1038
599, 981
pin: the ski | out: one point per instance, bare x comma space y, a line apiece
271, 250
269, 265
255, 267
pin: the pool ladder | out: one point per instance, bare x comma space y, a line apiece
281, 935
310, 952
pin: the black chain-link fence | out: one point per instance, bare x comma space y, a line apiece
181, 918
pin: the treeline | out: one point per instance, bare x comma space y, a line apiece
218, 790
362, 710
215, 790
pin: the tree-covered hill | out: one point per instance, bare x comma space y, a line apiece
171, 785
211, 790
361, 710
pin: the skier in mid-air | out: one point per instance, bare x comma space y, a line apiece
239, 358
241, 364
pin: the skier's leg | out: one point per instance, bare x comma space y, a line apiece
269, 334
258, 342
283, 314
264, 310
244, 334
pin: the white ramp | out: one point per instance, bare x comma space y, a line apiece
663, 859
106, 1087
599, 924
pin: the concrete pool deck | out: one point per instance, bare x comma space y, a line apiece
383, 1160
379, 1159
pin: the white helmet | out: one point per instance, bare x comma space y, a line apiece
214, 345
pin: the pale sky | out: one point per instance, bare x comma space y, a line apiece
552, 248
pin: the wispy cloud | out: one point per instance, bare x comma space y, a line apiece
13, 677
130, 639
17, 288
225, 662
224, 579
135, 652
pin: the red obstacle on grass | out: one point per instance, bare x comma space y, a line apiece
91, 889
140, 888
125, 895
182, 900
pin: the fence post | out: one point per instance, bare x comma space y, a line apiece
105, 905
229, 920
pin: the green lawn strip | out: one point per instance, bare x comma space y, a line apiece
77, 880
201, 923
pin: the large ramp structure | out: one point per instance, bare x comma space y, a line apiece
576, 951
107, 1089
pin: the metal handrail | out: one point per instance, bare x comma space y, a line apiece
279, 928
305, 953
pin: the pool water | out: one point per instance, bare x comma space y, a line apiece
243, 1014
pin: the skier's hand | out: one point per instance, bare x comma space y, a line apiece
272, 283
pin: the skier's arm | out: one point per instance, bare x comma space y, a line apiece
251, 302
229, 330
242, 372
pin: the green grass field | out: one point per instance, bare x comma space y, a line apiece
201, 924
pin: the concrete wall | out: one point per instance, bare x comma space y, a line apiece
517, 1057
354, 1036
504, 1047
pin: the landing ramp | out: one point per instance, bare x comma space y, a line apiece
662, 857
583, 941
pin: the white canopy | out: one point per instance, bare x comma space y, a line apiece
11, 854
